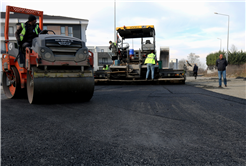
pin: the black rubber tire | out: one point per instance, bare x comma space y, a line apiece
30, 88
13, 91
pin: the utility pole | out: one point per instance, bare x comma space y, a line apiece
115, 38
227, 33
220, 43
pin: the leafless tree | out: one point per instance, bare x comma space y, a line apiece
194, 59
181, 63
233, 48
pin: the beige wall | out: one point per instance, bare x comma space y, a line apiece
57, 29
66, 30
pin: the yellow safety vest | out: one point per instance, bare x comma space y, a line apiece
114, 45
23, 32
150, 58
106, 68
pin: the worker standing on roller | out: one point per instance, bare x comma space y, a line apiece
26, 32
150, 60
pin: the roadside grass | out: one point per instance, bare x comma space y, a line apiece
232, 71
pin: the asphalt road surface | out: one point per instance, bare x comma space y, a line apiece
127, 125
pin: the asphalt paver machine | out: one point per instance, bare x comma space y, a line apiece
129, 63
55, 66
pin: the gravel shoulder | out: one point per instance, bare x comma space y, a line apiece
235, 87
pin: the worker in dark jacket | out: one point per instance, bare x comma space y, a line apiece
26, 32
195, 70
221, 64
113, 46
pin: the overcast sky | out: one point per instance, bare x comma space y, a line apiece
184, 26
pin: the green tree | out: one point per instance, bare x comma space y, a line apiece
234, 57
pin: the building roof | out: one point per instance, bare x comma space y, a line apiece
25, 16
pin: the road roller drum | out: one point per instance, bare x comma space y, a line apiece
56, 86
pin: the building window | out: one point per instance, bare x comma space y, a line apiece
3, 48
104, 60
44, 27
102, 50
63, 32
70, 31
11, 31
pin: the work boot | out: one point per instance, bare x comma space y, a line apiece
146, 79
219, 86
152, 79
225, 85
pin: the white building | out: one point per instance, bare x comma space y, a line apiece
173, 63
60, 25
102, 56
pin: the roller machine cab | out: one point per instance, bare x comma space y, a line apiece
55, 66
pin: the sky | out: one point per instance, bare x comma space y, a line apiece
183, 26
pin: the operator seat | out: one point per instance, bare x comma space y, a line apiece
147, 42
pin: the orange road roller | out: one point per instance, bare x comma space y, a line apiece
54, 67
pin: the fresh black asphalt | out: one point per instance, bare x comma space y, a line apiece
127, 125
